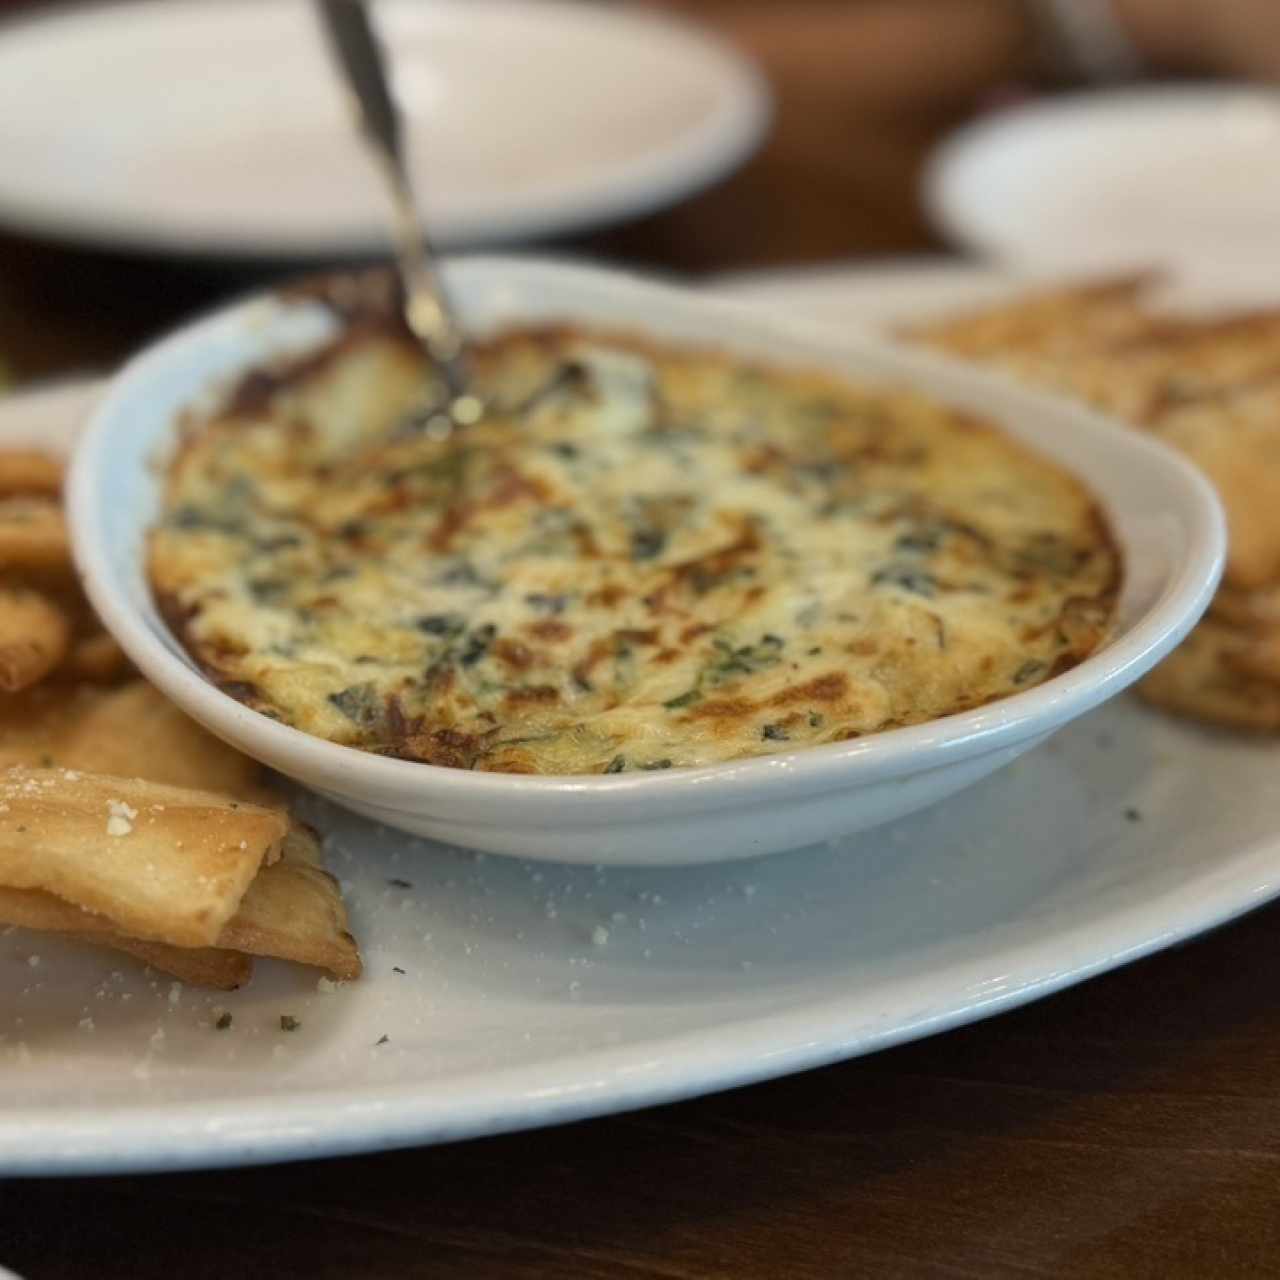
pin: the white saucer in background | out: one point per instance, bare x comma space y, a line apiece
1185, 176
218, 126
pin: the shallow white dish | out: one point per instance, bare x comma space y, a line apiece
509, 1016
1178, 176
218, 127
1165, 516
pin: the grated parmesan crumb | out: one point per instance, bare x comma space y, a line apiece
120, 822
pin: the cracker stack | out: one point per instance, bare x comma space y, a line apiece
122, 822
1208, 386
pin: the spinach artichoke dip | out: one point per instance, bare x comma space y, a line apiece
644, 556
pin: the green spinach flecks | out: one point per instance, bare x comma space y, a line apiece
553, 606
906, 578
743, 660
446, 625
647, 544
478, 644
359, 703
686, 699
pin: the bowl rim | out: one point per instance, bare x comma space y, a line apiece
1006, 722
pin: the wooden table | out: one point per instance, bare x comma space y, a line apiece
1130, 1127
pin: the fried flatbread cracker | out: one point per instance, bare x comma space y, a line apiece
29, 471
134, 731
131, 731
292, 911
1257, 610
97, 658
165, 864
199, 966
1201, 679
35, 723
1061, 319
1236, 443
1259, 659
35, 635
33, 535
196, 966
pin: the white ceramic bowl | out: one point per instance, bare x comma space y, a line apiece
1165, 516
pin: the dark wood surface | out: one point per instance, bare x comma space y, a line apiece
1130, 1127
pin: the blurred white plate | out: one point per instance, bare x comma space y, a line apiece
1176, 175
218, 127
1127, 833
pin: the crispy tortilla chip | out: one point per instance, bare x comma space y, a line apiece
165, 864
1201, 679
294, 911
28, 471
34, 637
33, 535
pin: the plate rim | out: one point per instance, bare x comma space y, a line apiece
170, 1137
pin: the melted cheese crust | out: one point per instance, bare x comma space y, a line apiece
644, 557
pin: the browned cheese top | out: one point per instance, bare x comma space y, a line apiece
643, 557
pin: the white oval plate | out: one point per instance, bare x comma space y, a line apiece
219, 128
510, 1016
1182, 176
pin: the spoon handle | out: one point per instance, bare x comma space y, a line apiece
355, 49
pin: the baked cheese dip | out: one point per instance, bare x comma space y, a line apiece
643, 557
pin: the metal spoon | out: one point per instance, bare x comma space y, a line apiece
426, 305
